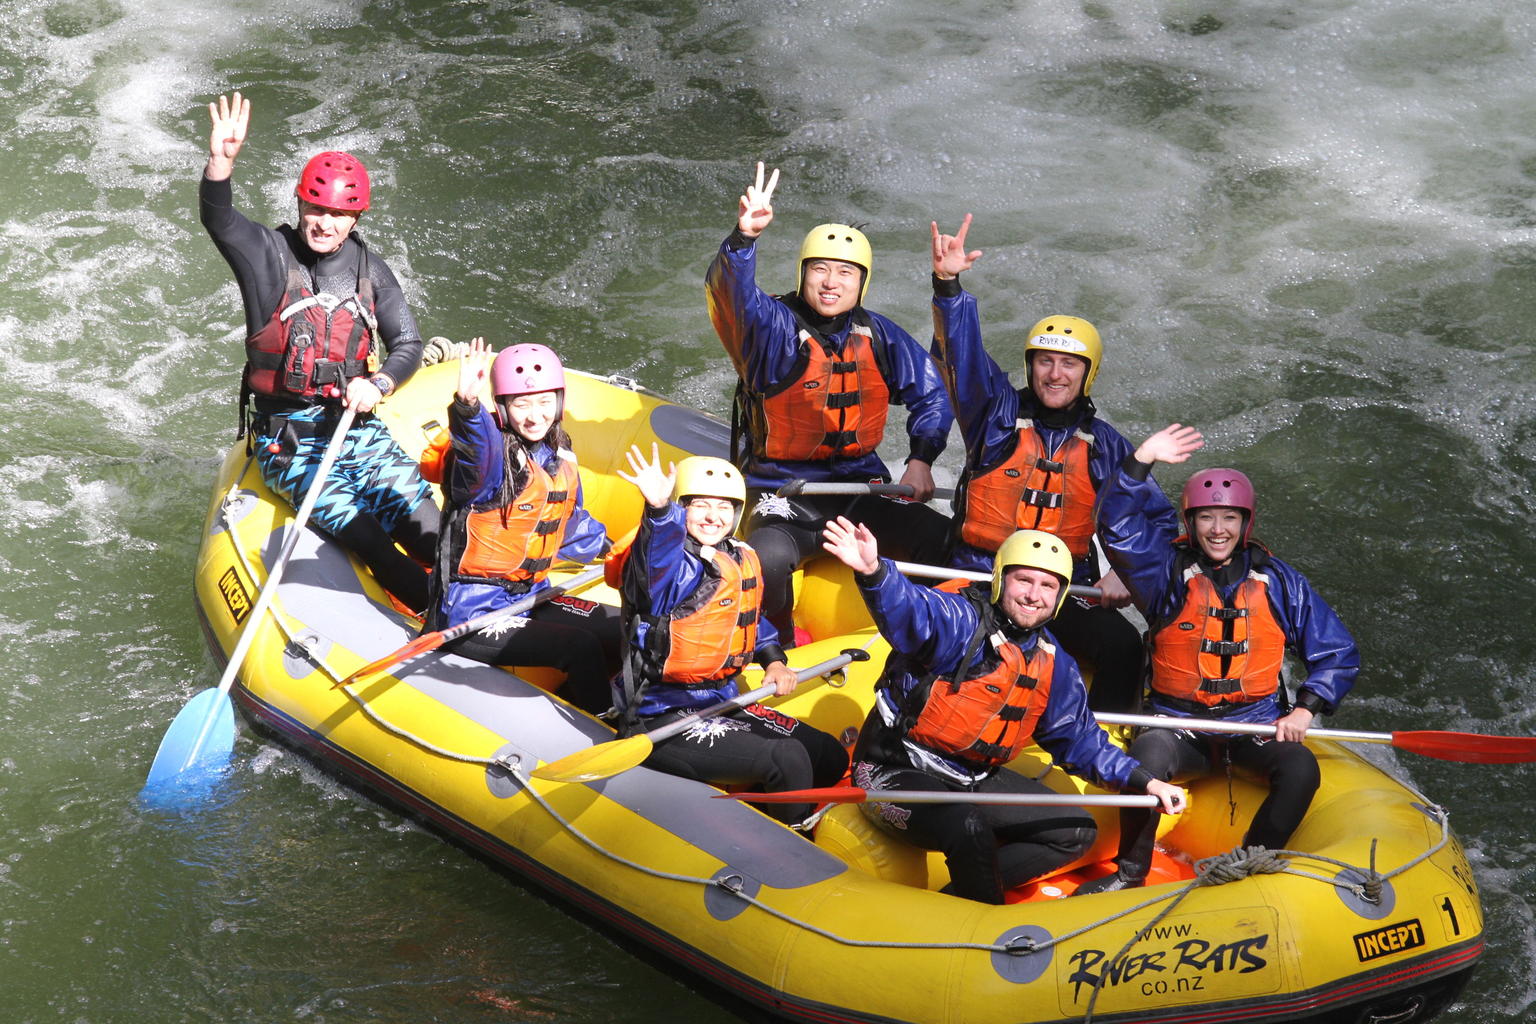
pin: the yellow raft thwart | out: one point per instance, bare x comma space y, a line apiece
1375, 917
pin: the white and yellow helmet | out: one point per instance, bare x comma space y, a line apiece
1072, 335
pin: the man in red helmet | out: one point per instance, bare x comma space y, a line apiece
327, 327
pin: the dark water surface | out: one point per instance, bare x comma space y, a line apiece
1304, 227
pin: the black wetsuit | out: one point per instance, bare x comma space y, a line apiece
374, 496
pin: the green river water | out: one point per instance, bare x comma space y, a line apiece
1305, 227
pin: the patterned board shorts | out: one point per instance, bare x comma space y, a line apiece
372, 475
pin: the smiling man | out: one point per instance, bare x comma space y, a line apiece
972, 679
327, 327
1036, 458
819, 373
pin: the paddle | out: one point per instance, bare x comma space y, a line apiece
204, 730
604, 760
939, 572
798, 487
432, 641
855, 795
1465, 747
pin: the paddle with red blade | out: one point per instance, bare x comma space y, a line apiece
1465, 747
855, 795
432, 641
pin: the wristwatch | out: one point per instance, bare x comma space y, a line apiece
382, 382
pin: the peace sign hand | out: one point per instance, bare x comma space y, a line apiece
230, 120
949, 255
755, 210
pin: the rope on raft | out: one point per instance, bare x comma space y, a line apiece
1231, 866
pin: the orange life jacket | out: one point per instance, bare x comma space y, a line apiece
988, 718
834, 406
434, 457
313, 340
523, 546
712, 633
1215, 652
1033, 490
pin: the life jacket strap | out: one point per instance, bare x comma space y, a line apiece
1042, 499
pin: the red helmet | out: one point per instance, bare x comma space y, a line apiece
334, 180
1220, 488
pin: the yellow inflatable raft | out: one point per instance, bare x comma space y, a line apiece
1377, 918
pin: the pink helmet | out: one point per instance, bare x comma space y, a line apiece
1223, 488
334, 180
526, 369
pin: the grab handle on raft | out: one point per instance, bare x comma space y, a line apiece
604, 760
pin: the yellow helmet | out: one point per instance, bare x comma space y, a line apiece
704, 476
838, 242
1033, 549
1072, 335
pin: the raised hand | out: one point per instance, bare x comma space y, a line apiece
654, 485
949, 255
1173, 444
230, 120
755, 210
853, 545
474, 368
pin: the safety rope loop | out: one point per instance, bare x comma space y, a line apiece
1021, 945
1370, 889
1237, 864
732, 883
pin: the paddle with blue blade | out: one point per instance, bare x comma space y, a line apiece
202, 736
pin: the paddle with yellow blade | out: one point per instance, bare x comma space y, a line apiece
432, 641
203, 733
855, 795
606, 760
1465, 747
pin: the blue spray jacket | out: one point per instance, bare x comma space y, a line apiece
989, 408
932, 628
474, 477
1149, 561
666, 568
761, 336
